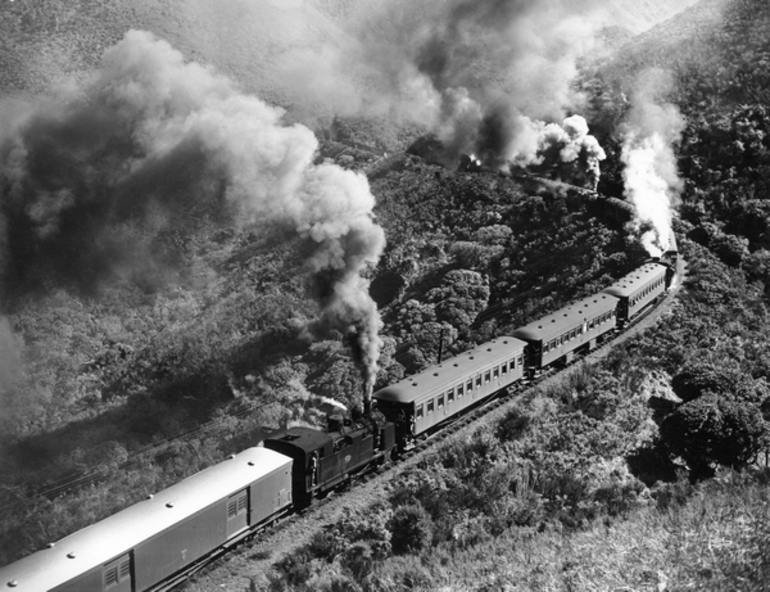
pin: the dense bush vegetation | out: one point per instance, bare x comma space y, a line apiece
133, 387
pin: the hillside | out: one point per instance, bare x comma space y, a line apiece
165, 302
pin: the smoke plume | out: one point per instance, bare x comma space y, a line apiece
651, 177
460, 68
490, 75
92, 186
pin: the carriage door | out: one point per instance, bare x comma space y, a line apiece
117, 575
237, 512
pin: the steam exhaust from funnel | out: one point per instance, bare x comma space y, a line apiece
652, 181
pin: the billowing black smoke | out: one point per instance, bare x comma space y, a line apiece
82, 201
106, 182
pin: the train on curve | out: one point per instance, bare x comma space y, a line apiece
157, 543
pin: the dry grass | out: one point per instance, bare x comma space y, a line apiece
719, 540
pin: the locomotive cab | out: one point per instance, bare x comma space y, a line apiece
323, 460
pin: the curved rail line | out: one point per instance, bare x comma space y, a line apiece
296, 529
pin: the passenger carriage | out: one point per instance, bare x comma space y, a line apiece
559, 335
421, 403
638, 290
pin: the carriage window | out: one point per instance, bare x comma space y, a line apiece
487, 376
430, 407
419, 412
469, 386
460, 390
450, 396
478, 381
545, 348
496, 372
504, 368
521, 360
440, 401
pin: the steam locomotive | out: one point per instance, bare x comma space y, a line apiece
157, 543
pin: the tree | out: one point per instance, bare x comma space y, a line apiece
697, 378
713, 430
462, 295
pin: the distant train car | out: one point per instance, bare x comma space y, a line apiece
421, 403
322, 460
559, 335
153, 543
638, 290
671, 253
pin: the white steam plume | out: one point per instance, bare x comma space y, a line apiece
145, 110
651, 177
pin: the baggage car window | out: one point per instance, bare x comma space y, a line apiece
237, 504
111, 577
118, 571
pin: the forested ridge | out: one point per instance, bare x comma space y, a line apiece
122, 388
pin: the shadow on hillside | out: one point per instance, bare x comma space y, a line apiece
172, 412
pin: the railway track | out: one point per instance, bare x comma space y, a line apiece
254, 558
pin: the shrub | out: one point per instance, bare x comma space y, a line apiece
513, 425
410, 528
672, 495
358, 559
